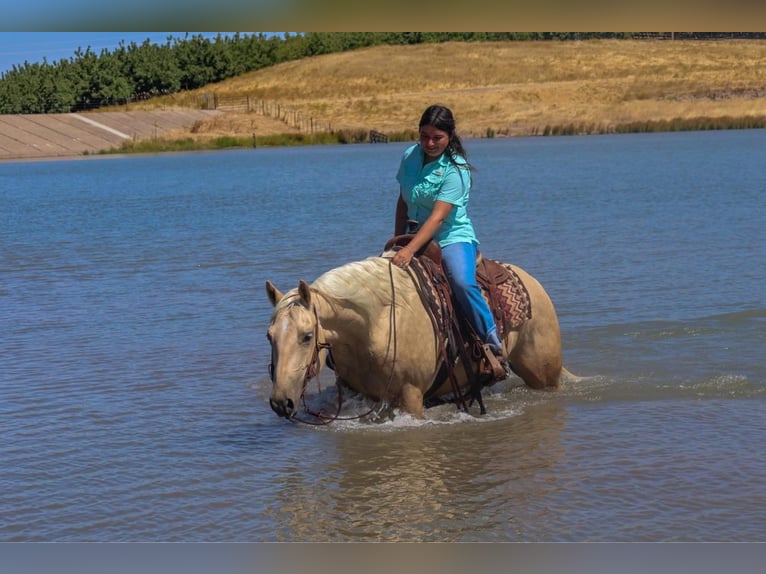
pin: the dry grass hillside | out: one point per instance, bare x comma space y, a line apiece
505, 88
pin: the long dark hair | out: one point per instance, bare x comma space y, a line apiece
442, 119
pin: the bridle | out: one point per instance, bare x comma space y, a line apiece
312, 368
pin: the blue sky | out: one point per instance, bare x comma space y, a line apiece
17, 47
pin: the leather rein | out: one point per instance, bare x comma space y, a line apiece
312, 368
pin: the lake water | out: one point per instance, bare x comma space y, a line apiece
133, 365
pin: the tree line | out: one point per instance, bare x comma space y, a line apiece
139, 71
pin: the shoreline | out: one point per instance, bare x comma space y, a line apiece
170, 147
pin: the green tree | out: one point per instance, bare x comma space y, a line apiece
193, 57
153, 69
94, 81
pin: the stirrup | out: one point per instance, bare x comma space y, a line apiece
495, 369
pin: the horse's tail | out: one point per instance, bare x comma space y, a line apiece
568, 377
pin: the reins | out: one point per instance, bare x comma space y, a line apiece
312, 368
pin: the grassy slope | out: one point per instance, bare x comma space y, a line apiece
517, 88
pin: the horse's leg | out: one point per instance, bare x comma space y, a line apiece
411, 400
540, 376
539, 368
536, 355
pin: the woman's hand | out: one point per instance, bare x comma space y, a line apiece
403, 257
439, 213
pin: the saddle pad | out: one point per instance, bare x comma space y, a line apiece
512, 306
509, 300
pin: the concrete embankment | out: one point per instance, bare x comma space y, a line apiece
41, 136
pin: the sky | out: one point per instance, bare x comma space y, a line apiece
18, 47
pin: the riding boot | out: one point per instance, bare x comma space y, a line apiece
494, 343
493, 354
493, 364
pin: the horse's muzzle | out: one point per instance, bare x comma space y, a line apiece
284, 408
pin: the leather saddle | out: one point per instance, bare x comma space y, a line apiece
437, 297
430, 249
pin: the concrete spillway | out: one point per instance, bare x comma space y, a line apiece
40, 136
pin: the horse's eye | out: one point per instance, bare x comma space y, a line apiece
307, 338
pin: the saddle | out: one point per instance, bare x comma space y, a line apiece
431, 250
505, 294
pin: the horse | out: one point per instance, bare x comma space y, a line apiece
366, 320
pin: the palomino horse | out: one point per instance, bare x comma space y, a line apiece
382, 343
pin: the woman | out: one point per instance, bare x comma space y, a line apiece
434, 185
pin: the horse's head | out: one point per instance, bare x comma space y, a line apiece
295, 357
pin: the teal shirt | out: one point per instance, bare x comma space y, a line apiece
422, 185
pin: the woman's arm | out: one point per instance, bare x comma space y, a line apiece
400, 222
426, 232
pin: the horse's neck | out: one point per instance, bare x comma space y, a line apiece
363, 302
340, 322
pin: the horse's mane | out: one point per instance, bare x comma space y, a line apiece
362, 282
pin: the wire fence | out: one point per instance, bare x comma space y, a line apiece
248, 104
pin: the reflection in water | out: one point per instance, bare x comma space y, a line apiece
431, 482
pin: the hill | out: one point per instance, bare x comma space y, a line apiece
504, 88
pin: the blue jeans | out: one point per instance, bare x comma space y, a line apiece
459, 261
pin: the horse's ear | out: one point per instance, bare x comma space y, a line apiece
275, 295
305, 292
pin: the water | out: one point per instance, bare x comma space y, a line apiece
133, 386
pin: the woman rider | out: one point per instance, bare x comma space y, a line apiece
434, 186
